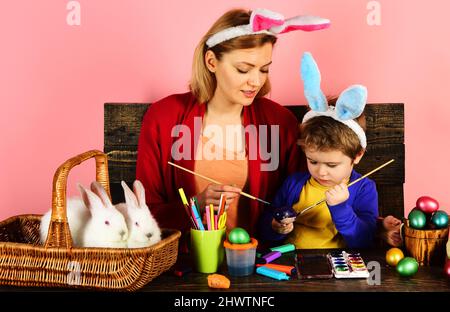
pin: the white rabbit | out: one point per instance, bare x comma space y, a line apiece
107, 226
143, 228
93, 220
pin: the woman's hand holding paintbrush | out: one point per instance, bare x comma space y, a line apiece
217, 183
211, 195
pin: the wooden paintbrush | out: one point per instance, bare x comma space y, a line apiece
357, 180
216, 182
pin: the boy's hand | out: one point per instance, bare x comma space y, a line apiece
284, 227
337, 194
391, 231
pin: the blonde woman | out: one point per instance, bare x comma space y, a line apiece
223, 128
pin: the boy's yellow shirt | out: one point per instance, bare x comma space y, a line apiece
314, 229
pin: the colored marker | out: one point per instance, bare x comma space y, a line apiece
196, 204
272, 273
183, 197
288, 269
197, 217
284, 248
267, 258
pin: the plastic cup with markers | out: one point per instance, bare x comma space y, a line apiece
207, 249
206, 239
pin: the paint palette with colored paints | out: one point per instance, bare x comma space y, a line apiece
348, 265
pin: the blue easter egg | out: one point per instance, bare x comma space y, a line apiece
440, 219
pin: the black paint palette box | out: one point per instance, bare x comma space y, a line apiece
312, 266
348, 265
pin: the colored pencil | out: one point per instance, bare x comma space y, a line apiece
222, 203
211, 215
208, 219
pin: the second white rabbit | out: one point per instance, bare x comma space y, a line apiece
142, 227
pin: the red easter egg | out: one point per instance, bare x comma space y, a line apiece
427, 204
447, 268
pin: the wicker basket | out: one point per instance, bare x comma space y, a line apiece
24, 261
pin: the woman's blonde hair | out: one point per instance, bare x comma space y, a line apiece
203, 83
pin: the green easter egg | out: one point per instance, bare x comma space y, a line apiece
440, 219
417, 219
238, 236
407, 267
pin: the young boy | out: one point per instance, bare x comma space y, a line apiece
349, 215
333, 139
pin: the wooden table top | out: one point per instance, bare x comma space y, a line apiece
427, 279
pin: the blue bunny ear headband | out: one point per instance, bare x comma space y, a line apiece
349, 105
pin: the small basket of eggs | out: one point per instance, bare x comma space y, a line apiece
426, 232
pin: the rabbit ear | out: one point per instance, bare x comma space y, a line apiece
100, 191
91, 201
130, 198
139, 191
311, 83
351, 102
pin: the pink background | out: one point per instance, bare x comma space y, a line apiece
54, 78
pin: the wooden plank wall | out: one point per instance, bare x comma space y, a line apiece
385, 136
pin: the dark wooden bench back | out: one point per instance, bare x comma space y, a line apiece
385, 137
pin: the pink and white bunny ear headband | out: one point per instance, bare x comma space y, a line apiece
350, 104
263, 21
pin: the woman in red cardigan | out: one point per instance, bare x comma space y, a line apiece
223, 128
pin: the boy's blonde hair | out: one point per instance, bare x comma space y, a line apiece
324, 133
203, 83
